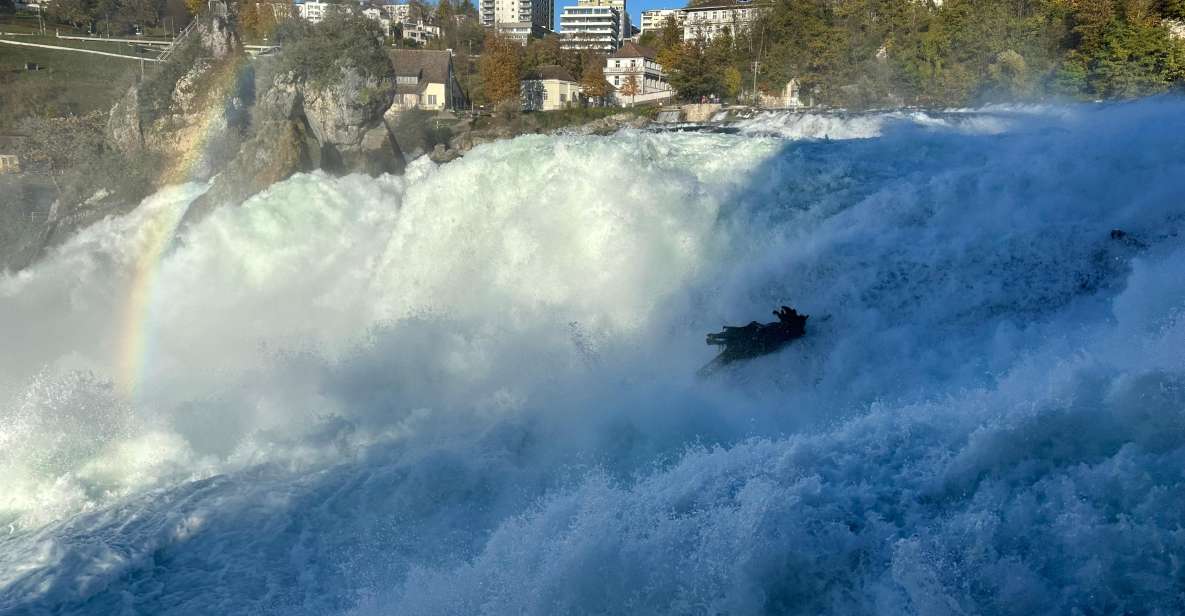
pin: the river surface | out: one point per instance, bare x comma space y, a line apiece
472, 389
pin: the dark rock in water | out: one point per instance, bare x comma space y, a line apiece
756, 339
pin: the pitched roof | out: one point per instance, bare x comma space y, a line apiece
634, 50
549, 71
429, 65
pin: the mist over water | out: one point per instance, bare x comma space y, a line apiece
471, 390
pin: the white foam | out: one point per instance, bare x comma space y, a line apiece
470, 390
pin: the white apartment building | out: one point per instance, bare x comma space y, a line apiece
377, 15
657, 18
536, 12
715, 16
641, 64
315, 11
596, 28
625, 26
397, 13
521, 32
419, 31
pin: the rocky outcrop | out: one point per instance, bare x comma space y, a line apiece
211, 111
296, 126
191, 112
346, 116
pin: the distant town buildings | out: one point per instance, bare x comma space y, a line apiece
657, 18
639, 65
624, 27
596, 28
538, 13
315, 11
521, 31
425, 79
549, 88
709, 19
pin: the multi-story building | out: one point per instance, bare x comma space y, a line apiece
657, 18
521, 32
315, 11
411, 23
419, 31
536, 12
709, 19
376, 14
639, 64
596, 28
397, 12
624, 27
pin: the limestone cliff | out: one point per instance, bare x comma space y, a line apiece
213, 112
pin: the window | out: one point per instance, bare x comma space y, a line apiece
617, 64
407, 79
432, 99
563, 97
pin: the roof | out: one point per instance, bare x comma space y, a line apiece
708, 5
430, 66
634, 50
549, 71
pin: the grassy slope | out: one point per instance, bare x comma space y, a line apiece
69, 82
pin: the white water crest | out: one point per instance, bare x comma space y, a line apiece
472, 390
840, 125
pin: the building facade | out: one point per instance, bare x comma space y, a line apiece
640, 64
315, 11
549, 88
521, 32
656, 19
709, 19
596, 28
539, 13
397, 13
624, 27
425, 79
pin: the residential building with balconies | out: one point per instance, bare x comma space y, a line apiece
595, 28
657, 18
709, 19
639, 63
539, 13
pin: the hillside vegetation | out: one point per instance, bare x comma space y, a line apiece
862, 53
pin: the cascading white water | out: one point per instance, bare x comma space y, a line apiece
471, 389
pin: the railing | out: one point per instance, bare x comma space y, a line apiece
112, 40
75, 49
180, 37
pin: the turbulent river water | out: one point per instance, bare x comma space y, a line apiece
472, 390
